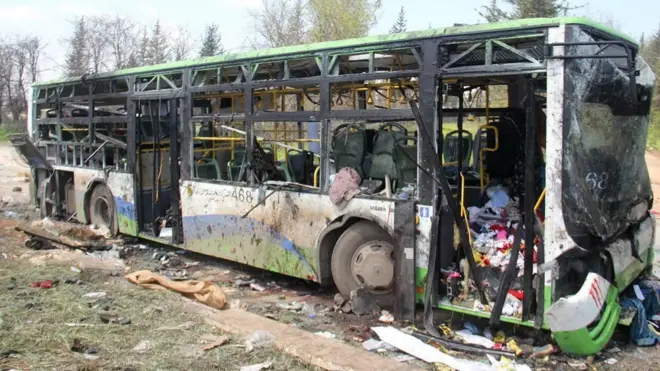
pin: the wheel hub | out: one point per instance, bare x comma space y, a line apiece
373, 265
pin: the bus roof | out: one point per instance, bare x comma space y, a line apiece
326, 45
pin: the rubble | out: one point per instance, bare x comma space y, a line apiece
143, 347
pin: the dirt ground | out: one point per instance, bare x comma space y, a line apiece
39, 327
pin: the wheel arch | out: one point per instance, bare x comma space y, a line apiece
327, 240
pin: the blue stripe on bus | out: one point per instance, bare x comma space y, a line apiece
217, 226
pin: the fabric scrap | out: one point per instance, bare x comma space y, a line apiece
204, 292
345, 186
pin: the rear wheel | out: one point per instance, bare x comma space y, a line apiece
102, 209
364, 257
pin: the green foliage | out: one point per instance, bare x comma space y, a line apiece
211, 44
342, 19
650, 51
524, 9
77, 58
158, 45
400, 24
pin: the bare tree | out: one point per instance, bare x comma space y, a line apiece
281, 23
182, 44
121, 37
97, 43
5, 73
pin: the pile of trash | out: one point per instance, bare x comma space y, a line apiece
492, 230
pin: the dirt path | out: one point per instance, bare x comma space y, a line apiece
653, 164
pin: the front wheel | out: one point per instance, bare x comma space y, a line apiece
364, 257
102, 209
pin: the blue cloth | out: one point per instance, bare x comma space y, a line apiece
639, 329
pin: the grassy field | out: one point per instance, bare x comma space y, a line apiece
39, 326
4, 133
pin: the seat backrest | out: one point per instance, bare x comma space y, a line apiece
233, 170
404, 156
301, 165
480, 142
501, 163
450, 147
208, 168
349, 144
382, 158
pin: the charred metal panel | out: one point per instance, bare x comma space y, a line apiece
121, 186
279, 235
404, 254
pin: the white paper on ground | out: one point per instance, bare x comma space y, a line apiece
470, 338
425, 352
507, 365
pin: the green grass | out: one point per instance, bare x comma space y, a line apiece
653, 138
4, 134
33, 322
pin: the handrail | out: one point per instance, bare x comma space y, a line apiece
316, 176
483, 150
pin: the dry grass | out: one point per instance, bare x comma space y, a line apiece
33, 322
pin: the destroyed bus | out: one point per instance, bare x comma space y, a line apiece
495, 170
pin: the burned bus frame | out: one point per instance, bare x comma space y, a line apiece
438, 61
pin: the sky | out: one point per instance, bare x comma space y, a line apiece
51, 19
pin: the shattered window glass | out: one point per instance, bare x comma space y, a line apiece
606, 187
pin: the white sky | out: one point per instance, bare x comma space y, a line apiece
51, 19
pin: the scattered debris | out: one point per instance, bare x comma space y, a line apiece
10, 214
361, 303
358, 333
72, 281
257, 287
613, 350
376, 345
203, 291
611, 361
259, 339
114, 319
403, 358
308, 310
75, 270
238, 282
386, 317
578, 365
326, 334
9, 353
95, 295
415, 347
17, 189
295, 306
183, 326
540, 352
78, 347
91, 357
45, 284
470, 338
257, 367
190, 350
143, 347
213, 341
80, 324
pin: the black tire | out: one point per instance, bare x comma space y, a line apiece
102, 209
347, 246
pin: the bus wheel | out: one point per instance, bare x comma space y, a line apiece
102, 209
364, 257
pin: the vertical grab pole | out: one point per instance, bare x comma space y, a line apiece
530, 197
